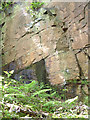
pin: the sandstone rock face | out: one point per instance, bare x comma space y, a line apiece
58, 35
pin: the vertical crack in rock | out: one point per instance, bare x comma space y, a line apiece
81, 74
87, 46
82, 50
87, 55
84, 12
40, 40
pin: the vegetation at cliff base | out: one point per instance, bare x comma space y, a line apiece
36, 100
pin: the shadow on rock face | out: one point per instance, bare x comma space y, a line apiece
36, 71
41, 73
25, 75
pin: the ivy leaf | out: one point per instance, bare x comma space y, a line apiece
11, 72
6, 72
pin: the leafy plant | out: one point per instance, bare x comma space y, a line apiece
5, 5
9, 73
36, 5
41, 91
36, 100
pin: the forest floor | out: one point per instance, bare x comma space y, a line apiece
36, 100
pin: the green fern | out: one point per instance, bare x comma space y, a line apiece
52, 103
41, 91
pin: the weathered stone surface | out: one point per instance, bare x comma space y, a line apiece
68, 65
52, 38
78, 42
53, 69
62, 43
83, 62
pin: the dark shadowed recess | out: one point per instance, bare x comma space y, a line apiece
36, 71
41, 73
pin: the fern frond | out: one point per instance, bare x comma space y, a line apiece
41, 91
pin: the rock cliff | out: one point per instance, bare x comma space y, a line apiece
57, 35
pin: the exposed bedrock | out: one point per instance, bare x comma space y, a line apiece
53, 46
